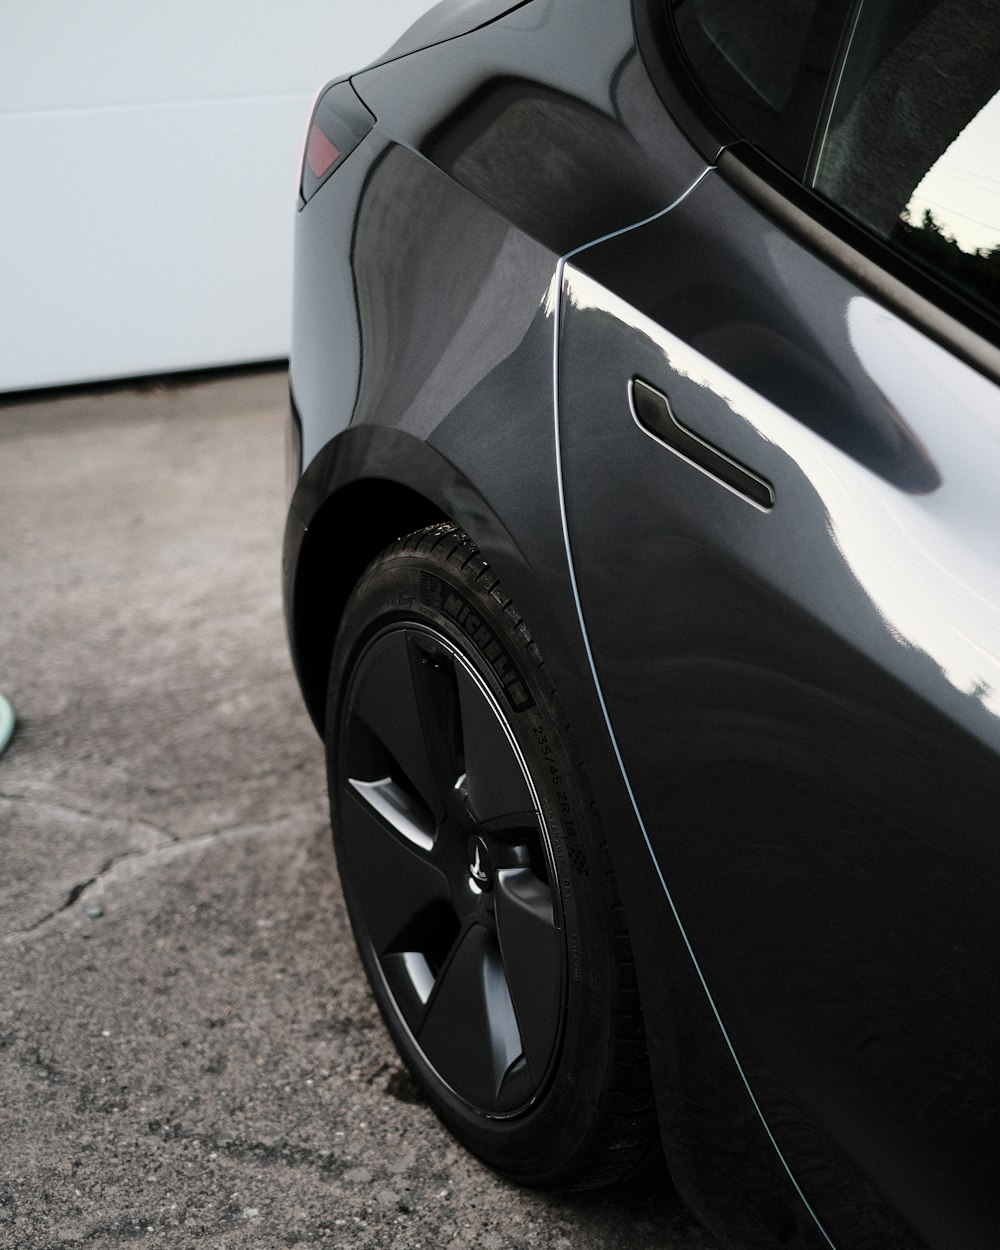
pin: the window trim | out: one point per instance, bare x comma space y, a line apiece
903, 286
833, 86
866, 259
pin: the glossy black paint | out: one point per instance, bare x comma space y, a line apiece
802, 697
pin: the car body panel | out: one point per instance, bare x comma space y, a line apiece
488, 424
803, 699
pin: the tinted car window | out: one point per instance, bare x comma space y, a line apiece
764, 65
912, 146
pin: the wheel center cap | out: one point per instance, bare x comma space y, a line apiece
480, 866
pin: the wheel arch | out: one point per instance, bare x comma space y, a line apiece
367, 487
347, 532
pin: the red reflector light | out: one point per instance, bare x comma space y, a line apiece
321, 154
338, 111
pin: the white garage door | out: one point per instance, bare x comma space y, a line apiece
149, 156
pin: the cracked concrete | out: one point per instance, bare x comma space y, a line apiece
189, 1056
57, 854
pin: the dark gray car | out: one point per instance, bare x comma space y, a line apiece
642, 577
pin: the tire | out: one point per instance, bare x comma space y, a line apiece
473, 866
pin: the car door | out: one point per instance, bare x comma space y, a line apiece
779, 433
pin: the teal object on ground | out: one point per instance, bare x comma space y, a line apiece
6, 723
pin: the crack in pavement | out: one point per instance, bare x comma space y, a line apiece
73, 896
74, 809
174, 846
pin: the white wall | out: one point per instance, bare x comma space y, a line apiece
148, 164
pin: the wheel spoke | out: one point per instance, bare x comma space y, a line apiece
392, 879
397, 808
435, 694
514, 827
494, 778
385, 700
410, 974
517, 1086
532, 951
470, 1032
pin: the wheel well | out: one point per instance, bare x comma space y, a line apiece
345, 535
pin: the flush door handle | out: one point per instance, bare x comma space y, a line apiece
653, 413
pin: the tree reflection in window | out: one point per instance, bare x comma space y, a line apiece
912, 144
977, 272
952, 221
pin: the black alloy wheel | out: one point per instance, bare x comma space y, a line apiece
451, 870
481, 900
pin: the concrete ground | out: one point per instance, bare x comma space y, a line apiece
189, 1056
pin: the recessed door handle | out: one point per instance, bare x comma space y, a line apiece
654, 414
